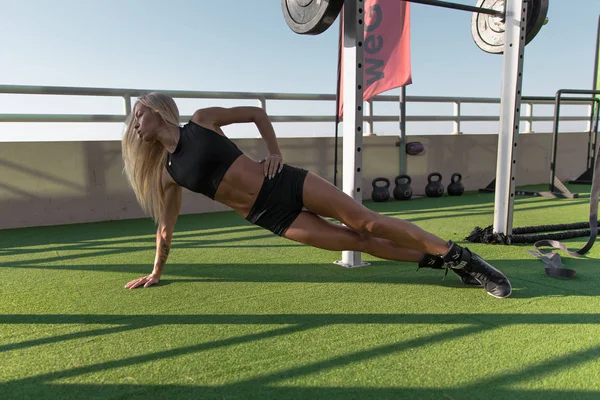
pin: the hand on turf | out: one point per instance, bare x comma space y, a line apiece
273, 164
147, 281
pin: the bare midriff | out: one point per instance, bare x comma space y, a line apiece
240, 185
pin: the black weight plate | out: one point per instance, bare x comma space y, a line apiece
536, 18
310, 17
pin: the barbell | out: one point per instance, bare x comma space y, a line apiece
488, 30
312, 17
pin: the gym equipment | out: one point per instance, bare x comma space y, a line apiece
488, 30
553, 265
403, 191
434, 188
586, 177
556, 188
313, 17
310, 17
414, 148
381, 193
353, 29
555, 183
551, 237
456, 188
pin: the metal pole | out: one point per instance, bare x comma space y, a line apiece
529, 115
554, 140
455, 6
595, 143
596, 81
403, 161
510, 105
457, 115
590, 162
369, 113
557, 102
127, 100
353, 112
596, 86
263, 102
337, 103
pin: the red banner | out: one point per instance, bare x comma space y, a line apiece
386, 48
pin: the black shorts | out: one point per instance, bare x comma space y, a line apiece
279, 201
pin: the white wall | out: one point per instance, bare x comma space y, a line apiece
50, 183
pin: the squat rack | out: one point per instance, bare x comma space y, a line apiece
515, 17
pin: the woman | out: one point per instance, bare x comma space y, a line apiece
161, 157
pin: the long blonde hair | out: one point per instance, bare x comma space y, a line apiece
144, 161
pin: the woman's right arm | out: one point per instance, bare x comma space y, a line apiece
164, 234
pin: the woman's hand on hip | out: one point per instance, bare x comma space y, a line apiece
272, 165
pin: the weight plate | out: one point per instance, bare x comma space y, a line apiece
488, 30
310, 17
536, 18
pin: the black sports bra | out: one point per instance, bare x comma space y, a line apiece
201, 159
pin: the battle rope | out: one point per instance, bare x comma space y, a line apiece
552, 260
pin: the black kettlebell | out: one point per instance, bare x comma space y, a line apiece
455, 188
434, 188
380, 193
403, 191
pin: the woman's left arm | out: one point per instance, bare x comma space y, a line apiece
220, 116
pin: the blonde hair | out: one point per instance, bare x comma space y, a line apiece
144, 161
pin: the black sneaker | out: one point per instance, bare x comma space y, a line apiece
433, 262
467, 263
466, 278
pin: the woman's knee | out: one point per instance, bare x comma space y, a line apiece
367, 223
352, 241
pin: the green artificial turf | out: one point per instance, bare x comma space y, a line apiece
241, 313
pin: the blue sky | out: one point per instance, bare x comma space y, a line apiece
235, 45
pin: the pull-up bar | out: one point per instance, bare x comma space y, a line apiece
457, 6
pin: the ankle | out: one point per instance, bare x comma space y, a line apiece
456, 256
431, 261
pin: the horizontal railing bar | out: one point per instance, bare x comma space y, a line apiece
277, 118
60, 118
77, 91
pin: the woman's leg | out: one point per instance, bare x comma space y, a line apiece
315, 231
323, 198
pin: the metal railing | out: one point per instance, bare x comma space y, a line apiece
262, 100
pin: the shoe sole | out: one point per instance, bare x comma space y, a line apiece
501, 297
500, 272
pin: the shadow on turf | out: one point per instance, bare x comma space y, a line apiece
527, 276
272, 385
108, 245
460, 212
11, 391
201, 230
123, 229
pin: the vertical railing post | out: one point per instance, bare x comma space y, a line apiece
369, 117
457, 116
263, 103
127, 100
528, 117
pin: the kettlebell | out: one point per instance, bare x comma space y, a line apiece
380, 193
403, 191
455, 188
434, 188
